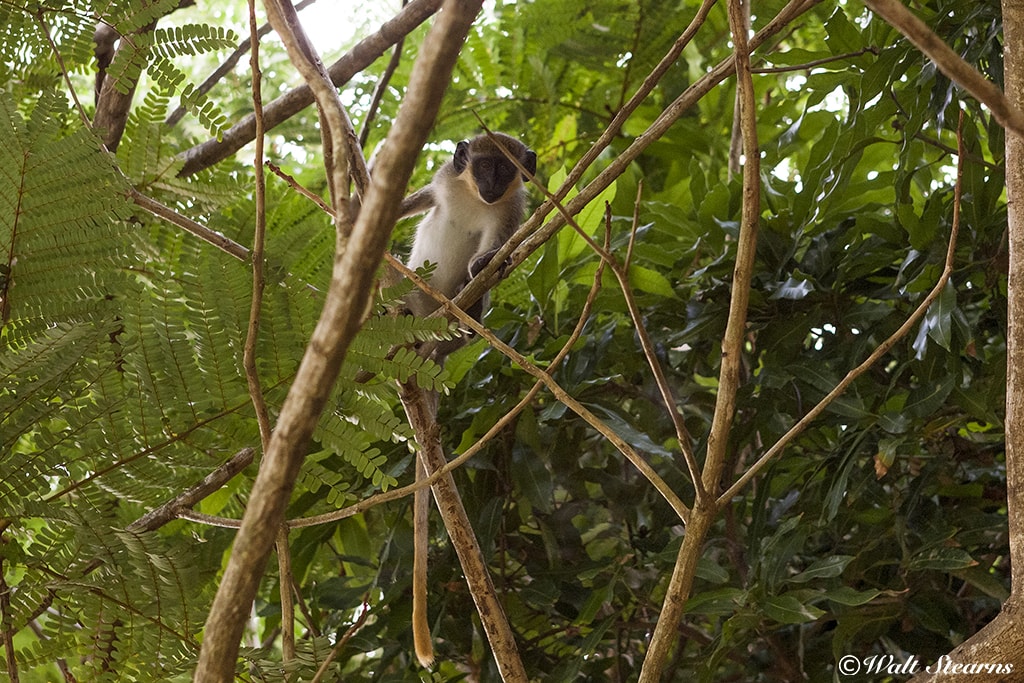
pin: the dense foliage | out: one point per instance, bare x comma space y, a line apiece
880, 530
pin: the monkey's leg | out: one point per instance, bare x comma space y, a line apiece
420, 528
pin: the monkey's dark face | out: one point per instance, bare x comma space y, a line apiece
493, 174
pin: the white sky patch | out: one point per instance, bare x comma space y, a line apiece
333, 24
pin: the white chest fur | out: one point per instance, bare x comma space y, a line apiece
456, 230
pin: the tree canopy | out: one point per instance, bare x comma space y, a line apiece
132, 369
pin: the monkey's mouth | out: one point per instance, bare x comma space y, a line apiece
491, 196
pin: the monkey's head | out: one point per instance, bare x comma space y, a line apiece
493, 174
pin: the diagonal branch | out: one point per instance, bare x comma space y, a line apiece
281, 109
227, 65
561, 394
531, 235
395, 494
949, 62
225, 244
875, 355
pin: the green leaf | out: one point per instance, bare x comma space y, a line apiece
937, 321
786, 609
824, 568
650, 281
942, 559
850, 597
843, 36
718, 601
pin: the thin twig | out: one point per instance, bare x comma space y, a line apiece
807, 66
218, 240
298, 187
381, 88
258, 282
284, 555
364, 612
227, 65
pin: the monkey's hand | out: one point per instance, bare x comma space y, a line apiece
480, 262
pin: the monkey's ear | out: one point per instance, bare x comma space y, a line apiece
461, 159
530, 163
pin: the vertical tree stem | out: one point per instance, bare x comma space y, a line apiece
705, 510
421, 411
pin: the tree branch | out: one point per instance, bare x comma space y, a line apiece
349, 292
226, 66
171, 510
949, 62
421, 410
218, 240
284, 107
112, 105
252, 376
531, 235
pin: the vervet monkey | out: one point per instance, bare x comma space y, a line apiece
475, 203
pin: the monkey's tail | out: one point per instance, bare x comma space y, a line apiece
420, 625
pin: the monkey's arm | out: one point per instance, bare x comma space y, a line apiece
420, 201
